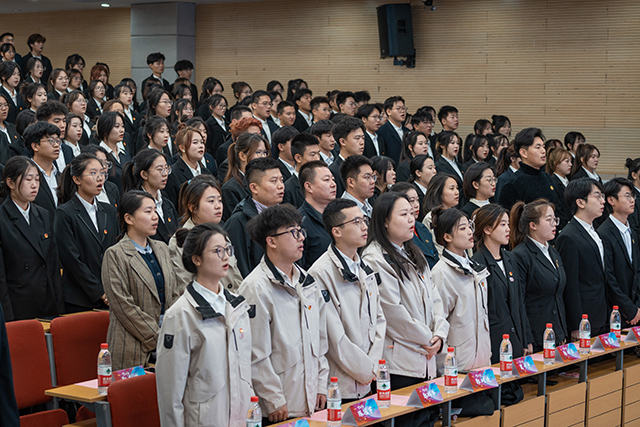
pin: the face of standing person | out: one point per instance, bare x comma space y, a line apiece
213, 263
144, 221
209, 207
25, 189
401, 222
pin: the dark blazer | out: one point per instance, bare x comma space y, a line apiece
203, 111
292, 192
131, 127
335, 170
272, 128
582, 173
233, 193
113, 193
216, 136
55, 96
248, 253
180, 173
12, 146
507, 312
165, 84
421, 198
301, 123
502, 180
93, 111
443, 166
370, 150
392, 140
115, 175
46, 62
221, 152
469, 208
467, 164
403, 171
30, 283
14, 108
623, 273
168, 224
423, 238
283, 170
527, 185
544, 286
81, 250
318, 239
586, 280
44, 198
565, 212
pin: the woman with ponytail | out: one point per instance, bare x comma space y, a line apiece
532, 226
149, 172
84, 229
200, 203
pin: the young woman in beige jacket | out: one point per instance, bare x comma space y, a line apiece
416, 325
463, 286
203, 370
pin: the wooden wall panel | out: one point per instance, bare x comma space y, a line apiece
101, 35
561, 66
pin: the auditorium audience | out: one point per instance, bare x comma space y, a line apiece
393, 130
304, 149
479, 186
349, 136
10, 78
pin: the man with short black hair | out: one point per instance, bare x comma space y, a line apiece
326, 142
346, 103
9, 38
360, 182
304, 118
393, 130
582, 254
422, 121
320, 108
36, 46
288, 327
155, 61
267, 189
286, 113
319, 188
349, 134
261, 106
281, 150
448, 118
374, 144
362, 98
304, 149
184, 70
355, 323
55, 112
572, 140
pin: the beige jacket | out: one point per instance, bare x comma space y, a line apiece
355, 322
464, 298
134, 303
203, 368
288, 363
231, 282
413, 310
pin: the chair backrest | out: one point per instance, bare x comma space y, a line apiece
76, 344
51, 418
134, 402
30, 362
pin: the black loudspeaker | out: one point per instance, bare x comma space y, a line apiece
395, 30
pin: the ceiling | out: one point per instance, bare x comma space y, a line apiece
24, 6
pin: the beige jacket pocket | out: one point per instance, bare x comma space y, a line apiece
283, 361
203, 390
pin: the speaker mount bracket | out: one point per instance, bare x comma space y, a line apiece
409, 62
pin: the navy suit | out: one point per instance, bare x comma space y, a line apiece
392, 140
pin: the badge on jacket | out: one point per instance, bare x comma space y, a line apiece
168, 341
326, 296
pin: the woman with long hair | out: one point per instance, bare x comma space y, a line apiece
479, 186
385, 169
57, 85
422, 168
586, 163
110, 133
442, 191
559, 163
413, 144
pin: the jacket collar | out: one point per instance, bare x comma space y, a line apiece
205, 309
476, 268
345, 270
304, 279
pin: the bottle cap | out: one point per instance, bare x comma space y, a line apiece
450, 350
505, 337
254, 399
334, 379
585, 316
104, 346
549, 326
615, 307
382, 362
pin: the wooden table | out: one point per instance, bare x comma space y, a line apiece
89, 397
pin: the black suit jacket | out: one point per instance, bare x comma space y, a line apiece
46, 62
30, 283
586, 280
216, 136
335, 170
502, 180
544, 286
403, 171
284, 170
565, 213
12, 146
442, 166
423, 239
115, 175
272, 128
370, 150
507, 312
233, 193
165, 84
169, 222
180, 173
131, 127
318, 239
248, 253
81, 250
93, 111
113, 193
221, 153
44, 198
14, 108
301, 123
392, 140
634, 218
581, 173
623, 273
421, 198
292, 192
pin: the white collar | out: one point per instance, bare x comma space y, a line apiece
216, 300
624, 228
563, 179
514, 170
586, 226
290, 168
397, 128
354, 266
423, 189
90, 207
543, 247
464, 261
480, 203
591, 175
120, 146
373, 136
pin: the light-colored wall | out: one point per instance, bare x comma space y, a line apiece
559, 65
102, 35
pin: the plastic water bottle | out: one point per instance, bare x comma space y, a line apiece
334, 404
615, 322
584, 332
506, 357
254, 414
549, 345
383, 384
104, 369
450, 372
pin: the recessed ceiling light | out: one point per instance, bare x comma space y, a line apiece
105, 5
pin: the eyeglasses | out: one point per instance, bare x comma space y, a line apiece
54, 142
81, 100
166, 102
598, 196
491, 180
222, 106
401, 109
164, 170
295, 232
266, 104
107, 165
222, 250
358, 221
553, 220
96, 175
630, 197
350, 104
375, 117
3, 106
369, 177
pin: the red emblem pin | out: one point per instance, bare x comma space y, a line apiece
105, 231
46, 236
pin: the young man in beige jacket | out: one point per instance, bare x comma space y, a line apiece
355, 323
289, 368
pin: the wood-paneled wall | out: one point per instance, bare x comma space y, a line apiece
101, 35
558, 65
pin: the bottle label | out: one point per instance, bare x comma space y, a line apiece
384, 390
615, 328
585, 339
104, 376
254, 423
506, 362
549, 350
334, 414
451, 377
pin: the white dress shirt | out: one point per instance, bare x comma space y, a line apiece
454, 165
625, 231
307, 117
91, 208
563, 180
544, 248
265, 128
398, 130
220, 122
354, 266
25, 213
52, 182
376, 144
290, 168
216, 300
594, 236
592, 175
328, 160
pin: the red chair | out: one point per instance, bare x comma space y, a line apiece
76, 344
31, 374
134, 402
